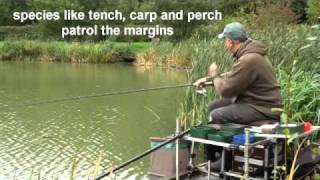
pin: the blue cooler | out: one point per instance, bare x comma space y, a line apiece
241, 138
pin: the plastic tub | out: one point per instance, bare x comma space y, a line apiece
222, 136
241, 138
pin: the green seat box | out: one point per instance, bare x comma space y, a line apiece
202, 131
222, 136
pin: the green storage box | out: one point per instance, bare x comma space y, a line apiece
222, 136
291, 128
202, 131
235, 128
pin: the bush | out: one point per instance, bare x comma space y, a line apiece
275, 14
299, 7
18, 32
213, 29
313, 10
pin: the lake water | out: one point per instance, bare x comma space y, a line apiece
48, 139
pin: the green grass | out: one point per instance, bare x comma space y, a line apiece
59, 51
135, 47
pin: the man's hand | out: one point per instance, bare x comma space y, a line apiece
214, 70
200, 82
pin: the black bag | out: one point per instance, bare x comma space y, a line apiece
307, 161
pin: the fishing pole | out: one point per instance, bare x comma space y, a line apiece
77, 98
142, 155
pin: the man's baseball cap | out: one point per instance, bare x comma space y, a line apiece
234, 31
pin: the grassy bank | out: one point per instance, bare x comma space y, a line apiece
59, 51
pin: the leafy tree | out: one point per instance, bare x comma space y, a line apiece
7, 7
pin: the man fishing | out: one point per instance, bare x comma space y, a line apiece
249, 90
